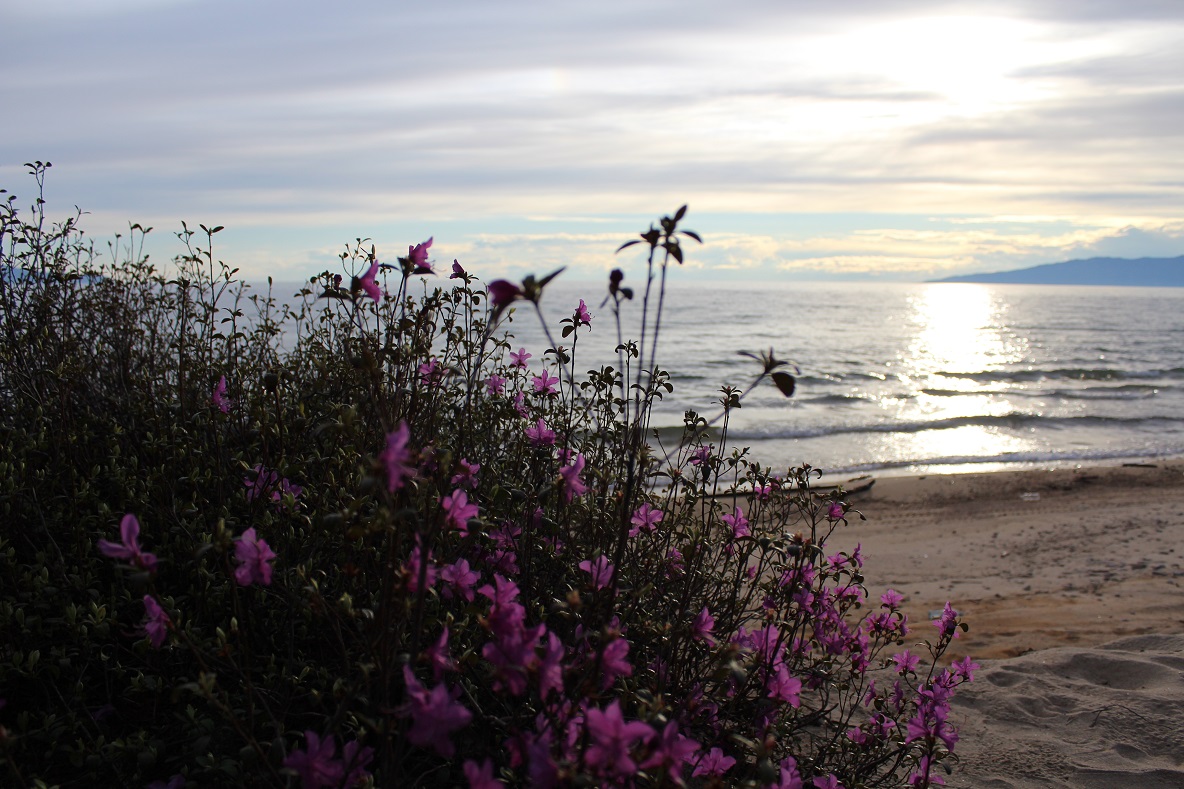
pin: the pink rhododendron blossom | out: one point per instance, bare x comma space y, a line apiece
613, 739
573, 485
128, 546
466, 476
264, 480
829, 782
431, 373
551, 666
582, 316
503, 293
457, 271
601, 571
413, 569
518, 358
439, 657
702, 627
480, 776
947, 623
368, 283
738, 523
397, 458
459, 576
702, 455
645, 517
761, 492
418, 255
715, 764
789, 777
157, 624
285, 488
834, 512
316, 764
219, 398
906, 661
614, 662
540, 435
672, 751
924, 775
783, 687
891, 599
458, 510
512, 651
434, 714
495, 384
965, 668
254, 557
544, 383
520, 405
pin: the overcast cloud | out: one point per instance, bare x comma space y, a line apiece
889, 139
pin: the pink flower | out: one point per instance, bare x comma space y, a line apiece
368, 284
418, 255
495, 385
467, 476
481, 776
540, 435
582, 316
891, 599
461, 577
544, 383
570, 479
601, 571
157, 624
129, 533
612, 739
762, 492
397, 457
782, 687
829, 782
219, 398
434, 715
715, 763
457, 271
947, 623
253, 556
438, 656
414, 565
316, 764
672, 751
459, 510
551, 666
520, 405
702, 627
789, 778
834, 512
614, 662
738, 523
519, 359
965, 668
906, 661
503, 293
431, 373
702, 455
645, 517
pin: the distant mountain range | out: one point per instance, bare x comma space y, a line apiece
1155, 272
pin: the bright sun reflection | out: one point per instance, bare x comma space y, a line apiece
959, 331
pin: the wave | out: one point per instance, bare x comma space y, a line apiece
1013, 421
1009, 458
1121, 392
1066, 374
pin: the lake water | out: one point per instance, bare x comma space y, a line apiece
909, 378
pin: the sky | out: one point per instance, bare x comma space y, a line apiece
811, 139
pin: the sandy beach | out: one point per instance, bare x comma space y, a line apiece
1070, 580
